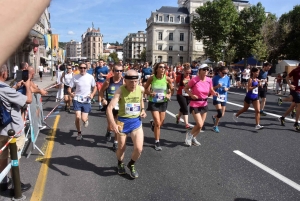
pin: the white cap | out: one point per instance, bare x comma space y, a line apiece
203, 66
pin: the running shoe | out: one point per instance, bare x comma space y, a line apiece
86, 123
108, 136
187, 127
195, 142
281, 120
297, 127
216, 129
293, 113
214, 119
133, 173
68, 109
115, 146
258, 127
93, 101
234, 117
262, 113
79, 137
157, 146
121, 169
152, 125
279, 101
100, 108
188, 139
177, 119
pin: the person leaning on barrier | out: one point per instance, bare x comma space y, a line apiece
12, 101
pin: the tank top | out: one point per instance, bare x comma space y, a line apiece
182, 82
67, 78
159, 87
253, 94
130, 103
112, 88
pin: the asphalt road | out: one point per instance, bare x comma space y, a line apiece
228, 166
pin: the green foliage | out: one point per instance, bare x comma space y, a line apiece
143, 54
214, 25
114, 57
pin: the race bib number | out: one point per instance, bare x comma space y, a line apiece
117, 107
82, 99
132, 108
221, 98
147, 76
159, 97
100, 77
255, 90
184, 93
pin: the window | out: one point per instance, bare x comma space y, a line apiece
170, 60
170, 36
181, 59
170, 48
93, 44
181, 37
160, 18
159, 35
181, 48
159, 59
171, 19
182, 19
159, 47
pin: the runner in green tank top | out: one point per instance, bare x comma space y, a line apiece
131, 110
160, 93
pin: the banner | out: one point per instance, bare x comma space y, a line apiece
49, 40
55, 47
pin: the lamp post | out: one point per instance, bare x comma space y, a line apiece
178, 58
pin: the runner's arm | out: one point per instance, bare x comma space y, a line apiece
147, 87
103, 88
109, 109
62, 76
171, 91
143, 112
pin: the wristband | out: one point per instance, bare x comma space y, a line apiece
142, 109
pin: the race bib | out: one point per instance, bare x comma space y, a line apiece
147, 76
184, 93
82, 99
132, 108
194, 75
100, 77
221, 98
159, 98
117, 107
255, 90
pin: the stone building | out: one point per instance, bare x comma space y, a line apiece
92, 44
133, 45
170, 36
73, 49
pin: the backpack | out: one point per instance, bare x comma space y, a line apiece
5, 117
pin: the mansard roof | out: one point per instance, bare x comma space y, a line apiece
173, 10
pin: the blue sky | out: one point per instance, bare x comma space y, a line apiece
116, 18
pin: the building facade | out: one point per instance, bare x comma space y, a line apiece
92, 44
170, 36
73, 49
133, 45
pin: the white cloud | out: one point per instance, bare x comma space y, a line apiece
71, 33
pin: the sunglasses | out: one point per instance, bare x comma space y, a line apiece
161, 67
82, 67
205, 69
118, 71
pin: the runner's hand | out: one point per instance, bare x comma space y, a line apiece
44, 92
194, 97
143, 114
104, 102
168, 96
115, 128
292, 87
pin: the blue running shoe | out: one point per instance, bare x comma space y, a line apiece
216, 129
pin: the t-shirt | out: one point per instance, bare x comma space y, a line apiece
263, 75
247, 74
182, 81
103, 70
12, 100
90, 71
16, 68
200, 89
194, 71
296, 78
41, 68
83, 84
146, 73
225, 81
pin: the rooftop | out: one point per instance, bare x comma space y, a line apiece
170, 9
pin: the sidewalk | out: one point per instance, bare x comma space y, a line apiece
46, 82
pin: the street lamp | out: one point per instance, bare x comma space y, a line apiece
178, 58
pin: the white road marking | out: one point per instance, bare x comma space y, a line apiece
173, 115
269, 170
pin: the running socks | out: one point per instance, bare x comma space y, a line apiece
131, 162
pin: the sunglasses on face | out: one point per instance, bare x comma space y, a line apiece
82, 68
161, 67
205, 69
118, 71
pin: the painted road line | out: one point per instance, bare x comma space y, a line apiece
40, 184
269, 170
173, 115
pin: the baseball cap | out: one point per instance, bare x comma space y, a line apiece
203, 66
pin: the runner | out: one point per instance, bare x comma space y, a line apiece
100, 75
183, 98
194, 69
131, 110
238, 78
251, 96
278, 83
160, 94
146, 73
66, 79
245, 77
284, 83
295, 74
221, 84
111, 85
262, 89
198, 89
290, 110
82, 97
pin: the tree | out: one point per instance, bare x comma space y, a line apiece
214, 24
114, 57
247, 36
143, 54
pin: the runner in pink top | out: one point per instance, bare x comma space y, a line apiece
198, 89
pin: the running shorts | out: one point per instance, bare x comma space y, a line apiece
160, 107
198, 109
130, 124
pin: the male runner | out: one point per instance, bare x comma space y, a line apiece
101, 72
245, 77
82, 96
262, 89
194, 68
131, 109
